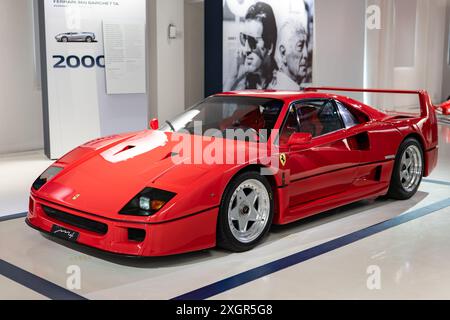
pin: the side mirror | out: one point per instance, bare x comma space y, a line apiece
154, 124
299, 139
445, 108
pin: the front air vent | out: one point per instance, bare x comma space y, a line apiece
360, 142
76, 221
125, 149
378, 173
363, 141
137, 235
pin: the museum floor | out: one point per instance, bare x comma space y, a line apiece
379, 249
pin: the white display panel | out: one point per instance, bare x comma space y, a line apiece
124, 44
76, 89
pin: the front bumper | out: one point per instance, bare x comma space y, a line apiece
193, 233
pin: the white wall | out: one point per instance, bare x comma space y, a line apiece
436, 39
426, 72
446, 66
194, 51
21, 126
339, 43
166, 59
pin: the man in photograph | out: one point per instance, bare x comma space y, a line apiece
255, 62
292, 56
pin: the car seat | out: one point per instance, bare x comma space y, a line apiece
309, 120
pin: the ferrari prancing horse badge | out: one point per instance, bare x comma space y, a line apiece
76, 197
283, 159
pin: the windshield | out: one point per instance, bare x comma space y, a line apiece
224, 114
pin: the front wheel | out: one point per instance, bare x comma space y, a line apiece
246, 212
408, 170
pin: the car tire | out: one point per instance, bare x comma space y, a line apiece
408, 170
89, 39
64, 39
243, 224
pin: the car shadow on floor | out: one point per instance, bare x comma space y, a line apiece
344, 212
277, 233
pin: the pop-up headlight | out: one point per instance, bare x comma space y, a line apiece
148, 202
48, 175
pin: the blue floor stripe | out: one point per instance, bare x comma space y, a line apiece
275, 266
37, 284
444, 183
13, 216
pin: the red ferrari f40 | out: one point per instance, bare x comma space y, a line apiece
226, 170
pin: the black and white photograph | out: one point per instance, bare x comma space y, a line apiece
267, 44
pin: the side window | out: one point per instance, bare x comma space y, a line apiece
349, 118
309, 118
290, 127
319, 117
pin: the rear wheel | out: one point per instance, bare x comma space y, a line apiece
408, 170
89, 39
246, 212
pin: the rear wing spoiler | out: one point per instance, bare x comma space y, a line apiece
426, 107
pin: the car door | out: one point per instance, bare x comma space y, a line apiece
325, 166
378, 142
76, 36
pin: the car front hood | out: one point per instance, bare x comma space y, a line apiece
104, 183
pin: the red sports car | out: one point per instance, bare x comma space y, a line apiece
227, 169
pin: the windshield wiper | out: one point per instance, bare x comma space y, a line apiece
171, 126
